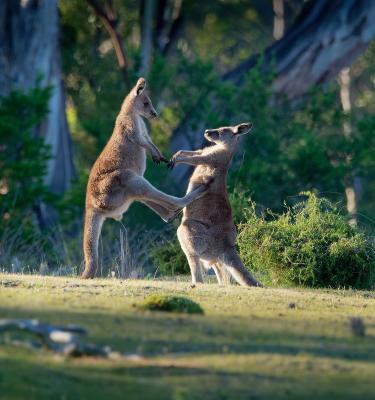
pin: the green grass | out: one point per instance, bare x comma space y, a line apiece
249, 344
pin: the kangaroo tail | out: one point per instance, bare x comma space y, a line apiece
91, 233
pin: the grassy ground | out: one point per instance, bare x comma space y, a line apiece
250, 344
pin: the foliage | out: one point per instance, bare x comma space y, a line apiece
168, 258
289, 150
310, 244
23, 156
158, 302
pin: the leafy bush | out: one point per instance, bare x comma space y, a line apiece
169, 258
158, 302
23, 154
310, 244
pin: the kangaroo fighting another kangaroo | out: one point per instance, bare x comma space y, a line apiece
116, 179
207, 233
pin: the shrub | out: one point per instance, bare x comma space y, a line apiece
23, 154
169, 258
157, 302
310, 244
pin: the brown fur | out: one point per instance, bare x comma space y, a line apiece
116, 178
207, 233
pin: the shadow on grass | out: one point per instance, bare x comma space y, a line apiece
155, 334
34, 379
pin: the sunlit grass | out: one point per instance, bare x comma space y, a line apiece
250, 343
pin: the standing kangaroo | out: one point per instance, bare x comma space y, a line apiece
116, 178
207, 233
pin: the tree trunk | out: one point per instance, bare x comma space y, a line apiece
327, 36
353, 184
278, 20
168, 27
109, 20
28, 54
147, 7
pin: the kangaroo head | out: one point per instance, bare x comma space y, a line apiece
142, 102
227, 135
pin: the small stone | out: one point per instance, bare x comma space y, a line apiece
357, 326
292, 305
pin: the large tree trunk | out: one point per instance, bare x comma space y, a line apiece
327, 36
169, 25
353, 184
28, 53
278, 20
147, 14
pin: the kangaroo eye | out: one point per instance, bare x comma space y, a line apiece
145, 104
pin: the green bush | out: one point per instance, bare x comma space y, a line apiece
169, 258
157, 302
310, 244
23, 154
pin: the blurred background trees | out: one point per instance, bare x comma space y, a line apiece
302, 71
29, 58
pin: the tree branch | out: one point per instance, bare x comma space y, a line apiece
110, 21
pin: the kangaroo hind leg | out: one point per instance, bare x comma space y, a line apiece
143, 191
221, 274
231, 261
92, 229
195, 268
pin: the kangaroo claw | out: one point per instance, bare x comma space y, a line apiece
170, 164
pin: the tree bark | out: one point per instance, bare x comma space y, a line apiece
327, 36
278, 20
29, 55
147, 7
353, 187
168, 27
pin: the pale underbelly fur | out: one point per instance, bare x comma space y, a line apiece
118, 212
139, 170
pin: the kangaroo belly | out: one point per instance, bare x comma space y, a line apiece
192, 238
213, 208
108, 192
117, 213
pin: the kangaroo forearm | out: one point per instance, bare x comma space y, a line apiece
150, 147
191, 160
189, 153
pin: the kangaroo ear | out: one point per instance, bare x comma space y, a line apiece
140, 86
243, 128
211, 135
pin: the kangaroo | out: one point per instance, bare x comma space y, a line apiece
116, 178
207, 233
